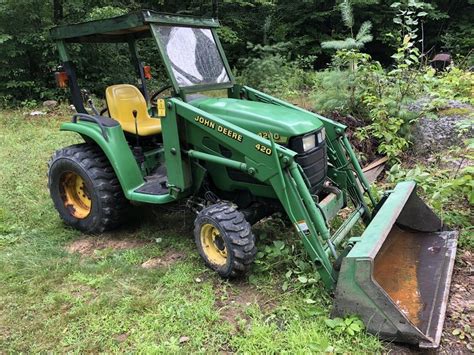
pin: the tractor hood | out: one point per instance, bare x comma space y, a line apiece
260, 118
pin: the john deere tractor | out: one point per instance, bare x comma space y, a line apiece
240, 158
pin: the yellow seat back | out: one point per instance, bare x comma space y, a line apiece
122, 101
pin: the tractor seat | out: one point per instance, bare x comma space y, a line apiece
122, 100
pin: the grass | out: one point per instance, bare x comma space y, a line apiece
52, 300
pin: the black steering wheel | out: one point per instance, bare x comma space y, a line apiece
155, 95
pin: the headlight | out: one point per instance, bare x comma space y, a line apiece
321, 136
309, 142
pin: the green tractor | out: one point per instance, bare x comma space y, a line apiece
238, 159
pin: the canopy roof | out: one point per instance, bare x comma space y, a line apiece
123, 28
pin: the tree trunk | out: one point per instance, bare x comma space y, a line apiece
57, 11
215, 9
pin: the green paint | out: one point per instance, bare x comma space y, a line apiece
116, 150
99, 29
177, 168
331, 206
217, 160
381, 224
216, 138
260, 117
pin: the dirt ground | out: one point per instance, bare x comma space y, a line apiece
233, 302
234, 299
88, 246
166, 260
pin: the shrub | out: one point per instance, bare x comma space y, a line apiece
271, 71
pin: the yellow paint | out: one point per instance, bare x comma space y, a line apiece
205, 122
230, 133
160, 104
75, 196
122, 101
263, 149
213, 245
221, 129
276, 137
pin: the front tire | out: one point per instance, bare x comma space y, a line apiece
224, 239
85, 190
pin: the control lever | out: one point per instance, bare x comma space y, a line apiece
135, 114
137, 150
87, 98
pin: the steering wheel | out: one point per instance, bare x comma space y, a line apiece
155, 95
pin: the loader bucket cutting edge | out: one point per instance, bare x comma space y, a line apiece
397, 277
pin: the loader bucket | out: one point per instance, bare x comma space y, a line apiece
397, 277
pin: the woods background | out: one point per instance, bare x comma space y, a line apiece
292, 29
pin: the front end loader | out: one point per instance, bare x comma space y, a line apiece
241, 157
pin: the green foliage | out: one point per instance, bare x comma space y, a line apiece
269, 69
388, 120
286, 257
453, 84
350, 325
410, 15
333, 92
346, 13
380, 97
373, 95
98, 13
363, 36
446, 190
28, 57
54, 301
227, 35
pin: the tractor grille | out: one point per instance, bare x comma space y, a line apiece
314, 164
315, 167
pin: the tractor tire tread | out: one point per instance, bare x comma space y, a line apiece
113, 204
240, 236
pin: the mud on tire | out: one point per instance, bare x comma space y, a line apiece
224, 239
106, 202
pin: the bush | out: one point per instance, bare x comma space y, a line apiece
453, 84
450, 193
268, 69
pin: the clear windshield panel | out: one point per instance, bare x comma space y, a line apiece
193, 54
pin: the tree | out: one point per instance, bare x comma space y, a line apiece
357, 42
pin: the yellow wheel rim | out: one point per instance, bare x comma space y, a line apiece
75, 196
213, 245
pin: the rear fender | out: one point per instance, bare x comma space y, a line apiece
116, 148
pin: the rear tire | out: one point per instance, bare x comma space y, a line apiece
225, 240
85, 190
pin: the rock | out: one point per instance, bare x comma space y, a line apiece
431, 135
50, 103
183, 339
152, 263
121, 337
37, 113
424, 102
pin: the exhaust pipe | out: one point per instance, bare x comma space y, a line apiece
397, 277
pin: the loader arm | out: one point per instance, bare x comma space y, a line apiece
396, 277
346, 168
267, 162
